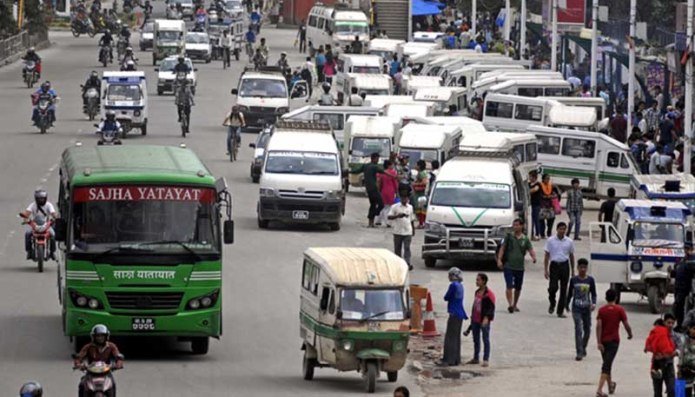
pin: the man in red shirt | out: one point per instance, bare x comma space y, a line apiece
608, 336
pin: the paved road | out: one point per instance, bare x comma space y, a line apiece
259, 353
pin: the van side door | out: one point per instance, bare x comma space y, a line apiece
309, 303
609, 258
327, 316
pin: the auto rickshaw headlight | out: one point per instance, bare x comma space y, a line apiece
636, 266
658, 264
399, 346
347, 345
137, 113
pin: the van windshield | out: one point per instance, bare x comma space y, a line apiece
353, 28
415, 155
168, 36
366, 69
304, 163
364, 147
263, 88
471, 195
382, 304
123, 92
657, 235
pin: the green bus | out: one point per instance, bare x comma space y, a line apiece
141, 229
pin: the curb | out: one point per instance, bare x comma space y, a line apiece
13, 58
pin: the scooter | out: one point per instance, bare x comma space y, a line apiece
82, 26
40, 240
92, 103
31, 73
109, 137
98, 379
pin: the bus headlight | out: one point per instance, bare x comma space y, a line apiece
347, 345
203, 302
81, 301
137, 113
85, 301
93, 304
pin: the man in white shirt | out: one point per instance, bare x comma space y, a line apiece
660, 163
355, 99
402, 220
40, 211
559, 263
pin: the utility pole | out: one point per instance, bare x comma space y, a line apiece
507, 20
474, 17
594, 48
553, 52
688, 119
522, 31
631, 68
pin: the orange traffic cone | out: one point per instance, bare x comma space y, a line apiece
430, 327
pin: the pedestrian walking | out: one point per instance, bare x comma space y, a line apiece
582, 299
686, 360
535, 192
402, 220
510, 259
329, 69
307, 74
663, 348
684, 273
301, 36
619, 126
550, 203
370, 171
419, 192
558, 263
320, 63
401, 391
388, 186
482, 314
575, 207
605, 212
452, 337
608, 321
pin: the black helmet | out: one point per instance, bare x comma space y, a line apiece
326, 87
181, 58
94, 74
110, 115
46, 86
31, 389
99, 329
31, 50
41, 197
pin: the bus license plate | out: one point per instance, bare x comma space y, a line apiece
143, 324
466, 242
300, 215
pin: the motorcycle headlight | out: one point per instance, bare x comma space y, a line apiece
434, 227
266, 192
347, 345
283, 110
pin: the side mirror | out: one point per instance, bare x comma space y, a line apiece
228, 231
235, 91
60, 227
350, 151
252, 145
408, 314
156, 69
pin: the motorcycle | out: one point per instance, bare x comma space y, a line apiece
105, 55
92, 102
109, 137
40, 240
44, 121
82, 26
98, 379
31, 73
121, 46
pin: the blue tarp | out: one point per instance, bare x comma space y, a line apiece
423, 7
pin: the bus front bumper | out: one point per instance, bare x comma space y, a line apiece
79, 322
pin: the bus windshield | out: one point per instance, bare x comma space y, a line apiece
164, 218
471, 195
382, 304
270, 88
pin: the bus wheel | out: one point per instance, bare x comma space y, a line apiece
200, 345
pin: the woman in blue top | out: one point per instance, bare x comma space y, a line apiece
452, 338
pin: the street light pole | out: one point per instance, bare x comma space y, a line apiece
631, 71
688, 118
507, 20
553, 52
594, 47
474, 16
522, 31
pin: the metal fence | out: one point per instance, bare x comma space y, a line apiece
620, 30
20, 42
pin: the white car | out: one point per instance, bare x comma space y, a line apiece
233, 8
198, 46
166, 76
186, 8
147, 35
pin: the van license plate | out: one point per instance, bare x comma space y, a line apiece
143, 324
466, 242
300, 215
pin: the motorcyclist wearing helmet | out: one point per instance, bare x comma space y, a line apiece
125, 33
110, 124
99, 349
181, 65
41, 208
107, 41
45, 91
31, 389
32, 56
93, 81
326, 97
128, 57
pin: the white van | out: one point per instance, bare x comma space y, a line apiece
443, 98
467, 124
301, 180
514, 113
365, 135
337, 116
597, 103
368, 84
381, 101
532, 88
359, 63
427, 37
169, 39
471, 208
385, 48
407, 111
597, 160
410, 84
486, 81
336, 26
429, 142
522, 147
263, 97
469, 74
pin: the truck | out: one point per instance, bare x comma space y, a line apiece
169, 39
142, 229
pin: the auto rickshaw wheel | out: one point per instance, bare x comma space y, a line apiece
392, 376
370, 375
654, 298
308, 365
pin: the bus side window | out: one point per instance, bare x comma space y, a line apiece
331, 302
519, 153
530, 91
321, 23
313, 21
314, 280
306, 275
499, 109
548, 144
462, 81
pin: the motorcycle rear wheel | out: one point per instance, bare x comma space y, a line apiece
42, 127
40, 255
75, 32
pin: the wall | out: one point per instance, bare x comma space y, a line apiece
293, 11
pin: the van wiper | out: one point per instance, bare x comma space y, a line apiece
174, 242
374, 316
